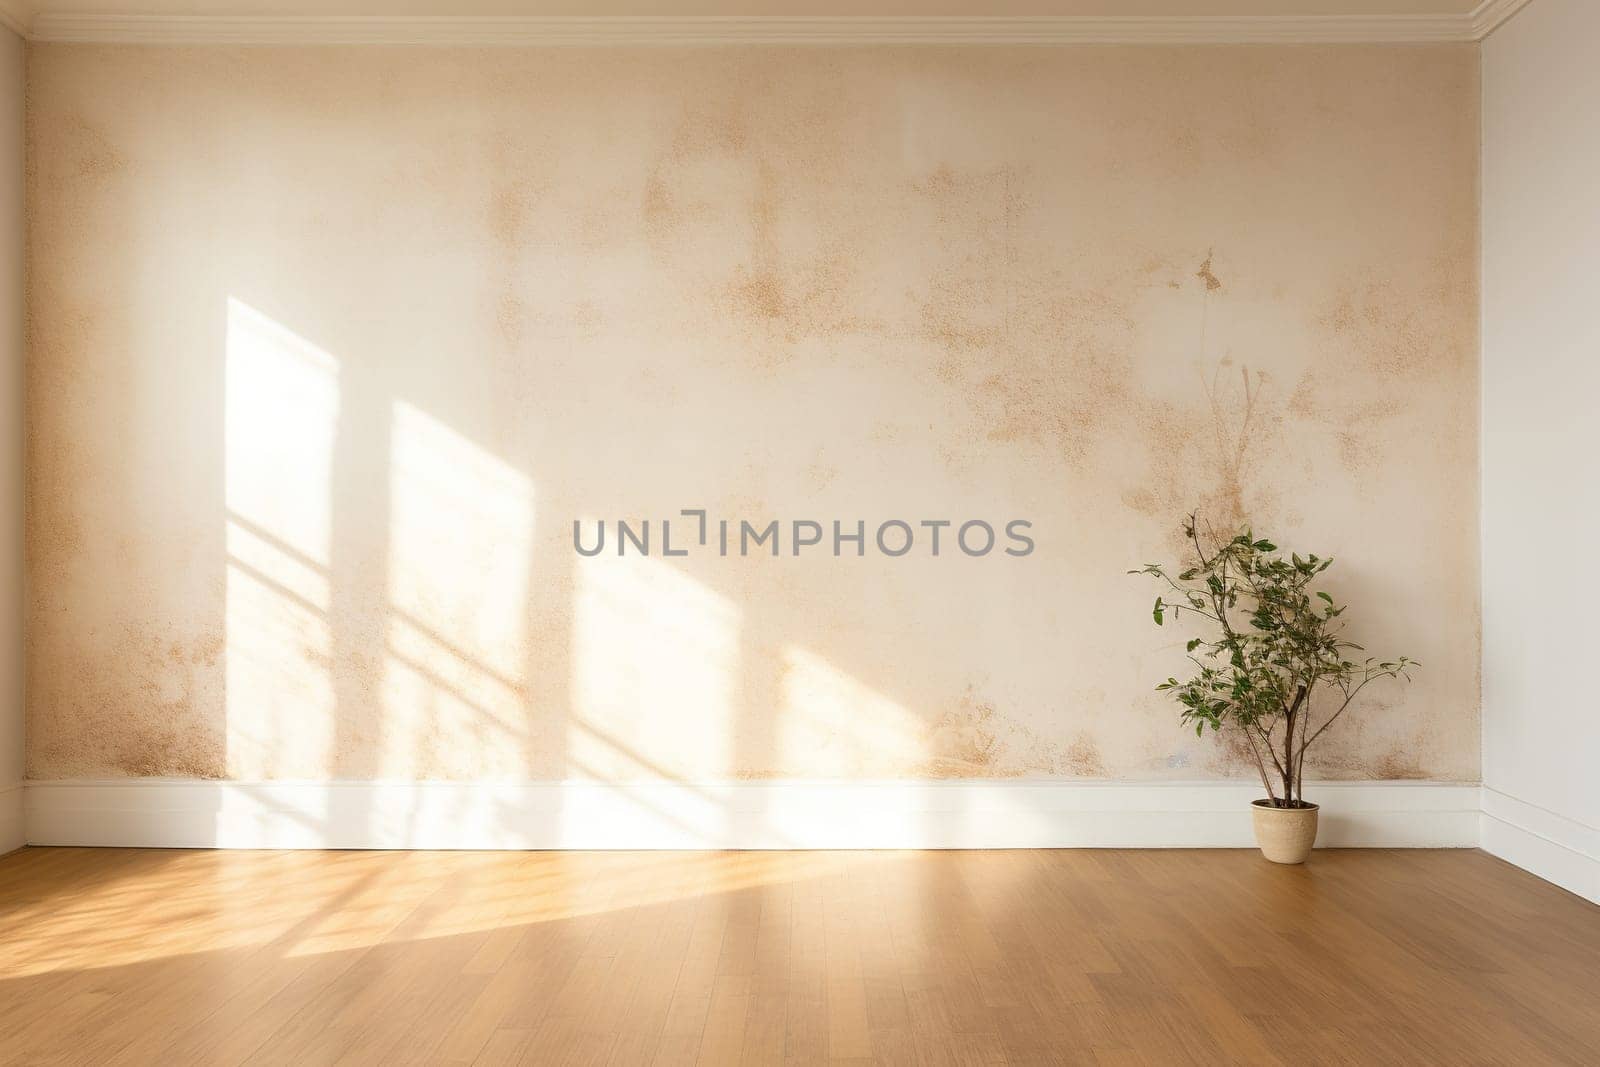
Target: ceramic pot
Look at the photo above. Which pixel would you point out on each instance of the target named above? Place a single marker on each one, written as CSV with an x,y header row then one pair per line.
x,y
1284,834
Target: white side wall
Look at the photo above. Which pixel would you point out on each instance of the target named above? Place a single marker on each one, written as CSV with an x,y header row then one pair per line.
x,y
11,226
1541,484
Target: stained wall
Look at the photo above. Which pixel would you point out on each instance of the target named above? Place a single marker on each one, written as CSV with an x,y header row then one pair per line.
x,y
329,348
12,83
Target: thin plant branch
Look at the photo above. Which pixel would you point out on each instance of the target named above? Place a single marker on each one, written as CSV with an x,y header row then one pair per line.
x,y
1273,642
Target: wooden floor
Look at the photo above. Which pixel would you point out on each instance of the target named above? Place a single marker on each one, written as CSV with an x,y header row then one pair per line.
x,y
176,958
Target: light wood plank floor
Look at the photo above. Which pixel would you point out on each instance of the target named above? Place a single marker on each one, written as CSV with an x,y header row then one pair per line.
x,y
171,957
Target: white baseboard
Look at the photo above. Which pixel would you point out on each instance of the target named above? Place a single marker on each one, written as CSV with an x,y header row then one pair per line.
x,y
11,833
1551,846
747,815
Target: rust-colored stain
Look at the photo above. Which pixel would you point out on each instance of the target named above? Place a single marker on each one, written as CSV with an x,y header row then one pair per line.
x,y
973,739
510,289
1083,759
135,708
964,743
94,157
1401,764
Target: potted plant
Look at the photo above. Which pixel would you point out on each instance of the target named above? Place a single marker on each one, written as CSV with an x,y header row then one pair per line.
x,y
1272,666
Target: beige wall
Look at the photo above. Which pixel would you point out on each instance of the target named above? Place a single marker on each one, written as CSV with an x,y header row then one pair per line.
x,y
330,348
12,86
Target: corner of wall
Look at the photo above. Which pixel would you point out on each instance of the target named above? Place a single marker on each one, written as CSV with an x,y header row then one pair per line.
x,y
11,832
1542,842
12,225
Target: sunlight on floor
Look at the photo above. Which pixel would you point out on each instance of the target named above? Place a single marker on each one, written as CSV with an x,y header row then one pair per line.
x,y
295,904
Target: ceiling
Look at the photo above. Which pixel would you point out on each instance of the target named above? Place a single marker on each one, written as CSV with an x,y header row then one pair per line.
x,y
911,8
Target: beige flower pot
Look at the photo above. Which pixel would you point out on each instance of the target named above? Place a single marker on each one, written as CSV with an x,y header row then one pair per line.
x,y
1284,834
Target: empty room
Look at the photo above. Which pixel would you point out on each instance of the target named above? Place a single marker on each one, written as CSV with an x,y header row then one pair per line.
x,y
647,532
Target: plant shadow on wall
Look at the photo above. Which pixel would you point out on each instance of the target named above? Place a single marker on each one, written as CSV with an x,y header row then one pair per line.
x,y
1275,651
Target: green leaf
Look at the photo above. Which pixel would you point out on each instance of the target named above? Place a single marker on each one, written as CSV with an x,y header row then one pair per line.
x,y
1277,633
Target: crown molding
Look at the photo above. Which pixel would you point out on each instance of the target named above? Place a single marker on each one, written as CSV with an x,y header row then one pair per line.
x,y
740,30
1491,14
13,18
